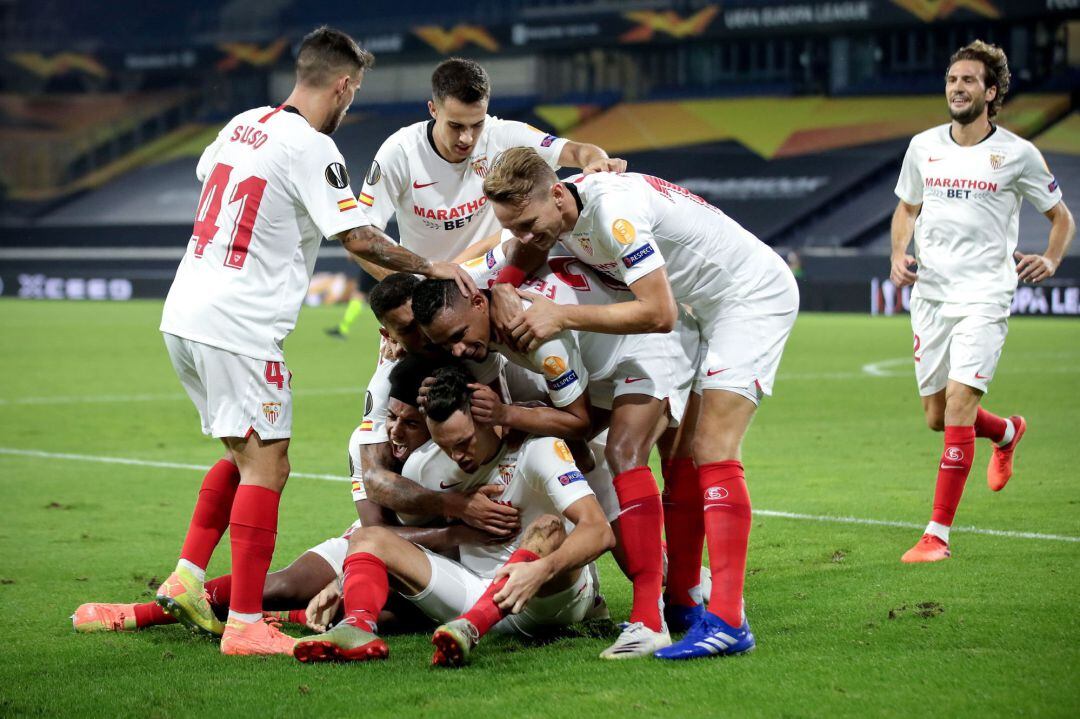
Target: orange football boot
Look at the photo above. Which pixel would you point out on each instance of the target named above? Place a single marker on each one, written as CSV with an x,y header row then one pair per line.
x,y
97,617
928,549
1000,469
255,638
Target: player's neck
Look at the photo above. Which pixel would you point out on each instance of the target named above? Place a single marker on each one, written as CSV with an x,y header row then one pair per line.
x,y
972,133
309,107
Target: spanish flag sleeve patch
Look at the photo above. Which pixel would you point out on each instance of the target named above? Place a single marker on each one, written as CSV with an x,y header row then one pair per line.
x,y
367,199
345,205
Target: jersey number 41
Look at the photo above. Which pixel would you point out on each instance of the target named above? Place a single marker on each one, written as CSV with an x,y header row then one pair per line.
x,y
249,192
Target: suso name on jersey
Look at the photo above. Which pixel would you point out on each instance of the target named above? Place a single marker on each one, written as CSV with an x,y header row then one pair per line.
x,y
249,135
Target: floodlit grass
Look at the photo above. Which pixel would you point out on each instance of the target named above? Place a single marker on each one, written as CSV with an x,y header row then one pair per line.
x,y
843,628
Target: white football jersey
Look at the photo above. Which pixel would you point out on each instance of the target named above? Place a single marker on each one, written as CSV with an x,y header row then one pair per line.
x,y
630,225
356,467
440,205
273,187
539,477
967,230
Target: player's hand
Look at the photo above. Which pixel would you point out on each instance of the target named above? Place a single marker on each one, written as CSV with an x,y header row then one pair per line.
x,y
537,324
1034,268
487,405
505,307
477,509
450,271
323,607
523,581
392,350
425,388
607,164
901,273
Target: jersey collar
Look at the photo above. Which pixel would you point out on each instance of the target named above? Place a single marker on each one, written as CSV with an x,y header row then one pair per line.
x,y
431,141
993,129
577,198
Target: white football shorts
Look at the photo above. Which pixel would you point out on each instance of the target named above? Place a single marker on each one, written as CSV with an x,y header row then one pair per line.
x,y
454,589
955,342
235,395
335,549
742,344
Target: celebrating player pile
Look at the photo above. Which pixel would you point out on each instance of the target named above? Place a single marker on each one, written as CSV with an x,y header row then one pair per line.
x,y
670,247
960,191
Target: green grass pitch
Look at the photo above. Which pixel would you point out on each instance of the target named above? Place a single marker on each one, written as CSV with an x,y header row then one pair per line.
x,y
843,628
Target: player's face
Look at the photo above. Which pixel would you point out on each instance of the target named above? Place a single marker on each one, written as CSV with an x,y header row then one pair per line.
x,y
538,222
344,94
966,92
463,329
401,326
457,126
406,428
465,443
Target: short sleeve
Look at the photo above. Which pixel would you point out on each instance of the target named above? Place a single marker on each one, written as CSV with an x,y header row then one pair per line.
x,y
486,268
909,186
488,369
519,134
209,157
1036,182
372,429
383,185
356,467
550,467
623,231
559,360
321,182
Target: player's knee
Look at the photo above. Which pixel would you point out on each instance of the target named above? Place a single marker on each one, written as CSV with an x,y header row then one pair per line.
x,y
544,534
279,588
935,421
624,453
368,539
714,449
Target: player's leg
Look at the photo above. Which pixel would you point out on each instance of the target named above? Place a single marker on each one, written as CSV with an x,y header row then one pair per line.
x,y
454,640
684,523
375,553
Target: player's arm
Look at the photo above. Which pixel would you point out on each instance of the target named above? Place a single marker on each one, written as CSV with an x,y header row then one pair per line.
x,y
591,537
903,229
1036,268
389,489
590,158
478,248
653,309
569,422
370,243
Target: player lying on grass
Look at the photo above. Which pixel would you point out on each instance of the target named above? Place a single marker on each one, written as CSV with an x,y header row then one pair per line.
x,y
293,588
535,581
634,384
671,248
960,189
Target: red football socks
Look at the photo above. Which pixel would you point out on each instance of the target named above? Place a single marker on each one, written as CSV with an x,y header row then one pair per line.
x,y
641,524
727,528
253,527
219,590
684,527
365,587
486,613
953,472
151,615
990,426
211,515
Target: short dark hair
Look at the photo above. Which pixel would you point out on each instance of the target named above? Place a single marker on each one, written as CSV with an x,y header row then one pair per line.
x,y
995,69
392,292
449,393
407,376
326,53
464,80
432,296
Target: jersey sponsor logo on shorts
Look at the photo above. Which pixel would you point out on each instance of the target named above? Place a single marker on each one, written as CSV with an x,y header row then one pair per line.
x,y
638,255
711,372
346,205
546,142
374,173
271,410
632,380
575,476
915,352
565,381
367,199
981,376
954,454
623,231
716,493
553,366
337,176
563,452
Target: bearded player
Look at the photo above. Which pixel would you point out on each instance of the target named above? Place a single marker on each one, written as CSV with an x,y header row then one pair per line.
x,y
960,190
274,184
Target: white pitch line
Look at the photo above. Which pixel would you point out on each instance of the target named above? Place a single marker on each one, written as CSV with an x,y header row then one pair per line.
x,y
150,397
338,478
